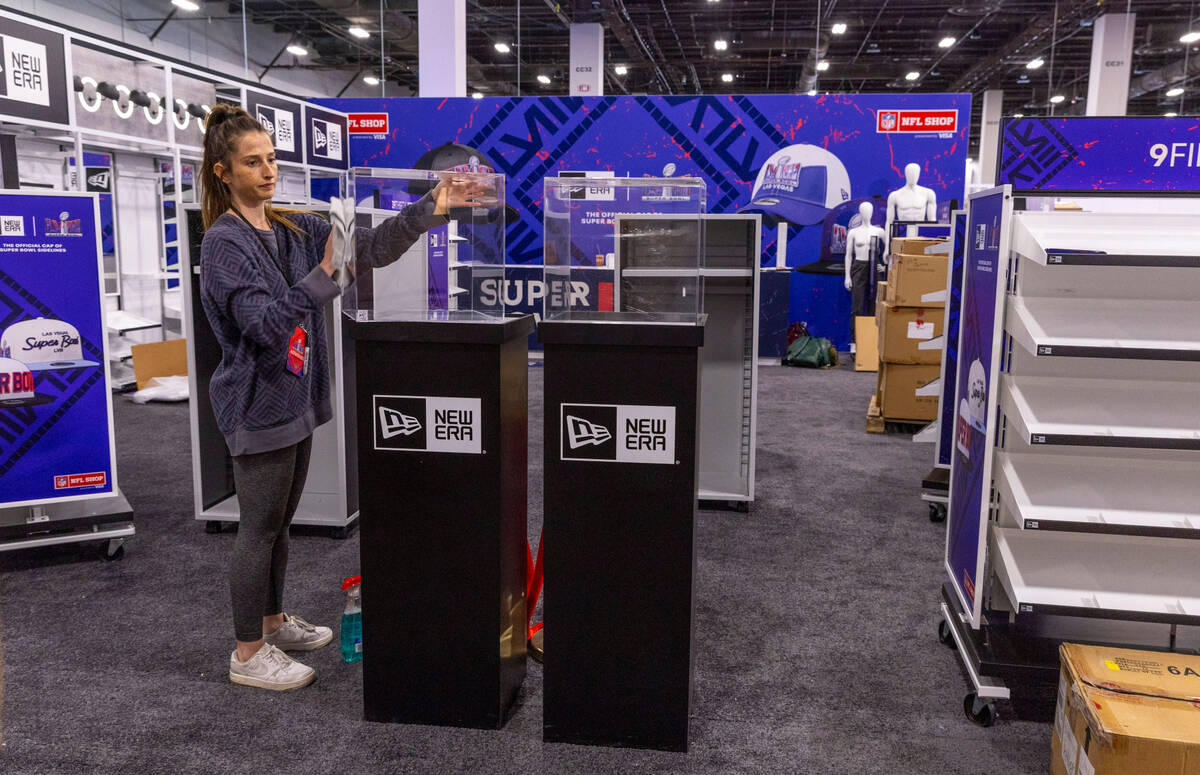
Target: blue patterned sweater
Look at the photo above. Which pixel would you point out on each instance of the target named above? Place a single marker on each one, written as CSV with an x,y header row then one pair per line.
x,y
259,405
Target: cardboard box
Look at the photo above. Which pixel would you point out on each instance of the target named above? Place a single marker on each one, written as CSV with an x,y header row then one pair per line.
x,y
902,330
866,344
911,246
1125,711
898,399
914,280
159,359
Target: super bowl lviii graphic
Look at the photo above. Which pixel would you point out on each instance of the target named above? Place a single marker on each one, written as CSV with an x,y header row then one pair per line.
x,y
972,410
56,439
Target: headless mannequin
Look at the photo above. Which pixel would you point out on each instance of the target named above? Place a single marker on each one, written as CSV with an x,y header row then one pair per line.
x,y
864,243
912,202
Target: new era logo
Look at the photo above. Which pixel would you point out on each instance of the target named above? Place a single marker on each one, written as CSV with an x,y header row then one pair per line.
x,y
617,433
394,423
12,226
580,432
428,424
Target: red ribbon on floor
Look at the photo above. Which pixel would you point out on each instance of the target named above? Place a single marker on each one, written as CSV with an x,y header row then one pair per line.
x,y
533,584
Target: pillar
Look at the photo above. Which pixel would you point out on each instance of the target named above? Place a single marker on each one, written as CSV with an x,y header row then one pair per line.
x,y
442,44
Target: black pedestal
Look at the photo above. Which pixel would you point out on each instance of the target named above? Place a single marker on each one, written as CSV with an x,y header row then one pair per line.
x,y
442,441
620,506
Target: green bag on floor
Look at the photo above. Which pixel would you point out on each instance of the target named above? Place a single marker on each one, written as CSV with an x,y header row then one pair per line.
x,y
811,352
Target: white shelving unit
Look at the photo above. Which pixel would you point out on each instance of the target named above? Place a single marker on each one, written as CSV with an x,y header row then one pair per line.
x,y
1096,494
1095,480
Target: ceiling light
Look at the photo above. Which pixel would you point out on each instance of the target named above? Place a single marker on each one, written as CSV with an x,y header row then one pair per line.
x,y
720,44
812,92
946,42
295,49
914,75
727,77
502,47
1018,115
370,80
477,95
823,65
838,29
543,78
1190,37
1034,64
1175,92
186,5
1171,114
359,32
1057,98
620,69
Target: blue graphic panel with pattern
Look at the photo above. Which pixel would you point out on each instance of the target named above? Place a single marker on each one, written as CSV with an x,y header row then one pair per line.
x,y
726,140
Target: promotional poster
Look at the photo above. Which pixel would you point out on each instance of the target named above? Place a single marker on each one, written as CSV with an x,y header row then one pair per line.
x,y
793,158
984,272
56,437
1101,155
958,231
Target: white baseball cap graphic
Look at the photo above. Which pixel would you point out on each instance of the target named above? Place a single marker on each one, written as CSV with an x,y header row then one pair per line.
x,y
16,386
800,184
44,344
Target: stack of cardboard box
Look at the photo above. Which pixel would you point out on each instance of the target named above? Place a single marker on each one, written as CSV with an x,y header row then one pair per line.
x,y
909,313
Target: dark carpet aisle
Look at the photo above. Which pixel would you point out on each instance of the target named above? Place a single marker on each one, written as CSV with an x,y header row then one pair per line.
x,y
815,630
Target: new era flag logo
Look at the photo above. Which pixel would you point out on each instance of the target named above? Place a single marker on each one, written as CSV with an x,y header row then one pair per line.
x,y
617,433
428,424
393,423
581,432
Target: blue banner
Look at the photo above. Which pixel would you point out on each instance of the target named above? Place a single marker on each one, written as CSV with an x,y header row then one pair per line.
x,y
56,439
799,159
1100,155
958,228
988,216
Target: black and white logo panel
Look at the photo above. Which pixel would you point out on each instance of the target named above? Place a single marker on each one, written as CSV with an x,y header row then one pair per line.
x,y
617,433
33,80
428,424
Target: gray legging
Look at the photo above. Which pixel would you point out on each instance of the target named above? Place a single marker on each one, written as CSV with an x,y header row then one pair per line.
x,y
268,488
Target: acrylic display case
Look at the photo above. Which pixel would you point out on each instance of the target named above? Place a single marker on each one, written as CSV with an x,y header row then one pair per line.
x,y
446,264
648,232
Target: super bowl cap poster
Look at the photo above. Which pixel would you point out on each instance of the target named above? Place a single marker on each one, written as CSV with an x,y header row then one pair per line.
x,y
56,437
984,272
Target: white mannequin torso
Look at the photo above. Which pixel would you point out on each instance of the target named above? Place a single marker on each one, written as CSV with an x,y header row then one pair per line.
x,y
858,241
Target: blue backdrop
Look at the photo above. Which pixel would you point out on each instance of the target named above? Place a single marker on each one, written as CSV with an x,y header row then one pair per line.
x,y
46,450
725,140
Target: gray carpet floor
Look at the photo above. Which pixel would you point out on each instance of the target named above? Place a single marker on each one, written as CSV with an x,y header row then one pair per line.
x,y
815,630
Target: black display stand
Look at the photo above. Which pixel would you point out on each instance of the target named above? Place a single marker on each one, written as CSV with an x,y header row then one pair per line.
x,y
620,555
442,533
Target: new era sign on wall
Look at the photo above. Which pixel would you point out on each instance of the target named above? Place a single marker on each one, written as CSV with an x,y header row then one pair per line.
x,y
428,424
33,74
617,433
326,135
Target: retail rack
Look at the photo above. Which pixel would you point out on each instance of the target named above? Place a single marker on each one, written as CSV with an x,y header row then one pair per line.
x,y
729,364
1093,502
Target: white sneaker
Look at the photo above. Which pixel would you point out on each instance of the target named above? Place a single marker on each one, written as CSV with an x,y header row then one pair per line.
x,y
298,635
270,668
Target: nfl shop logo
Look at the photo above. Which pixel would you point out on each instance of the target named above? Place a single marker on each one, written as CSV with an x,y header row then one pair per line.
x,y
60,482
428,424
887,121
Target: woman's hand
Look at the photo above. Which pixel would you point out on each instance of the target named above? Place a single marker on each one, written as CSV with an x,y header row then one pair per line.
x,y
327,259
459,190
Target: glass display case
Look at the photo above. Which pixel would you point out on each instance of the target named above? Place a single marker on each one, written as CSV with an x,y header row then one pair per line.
x,y
442,260
623,249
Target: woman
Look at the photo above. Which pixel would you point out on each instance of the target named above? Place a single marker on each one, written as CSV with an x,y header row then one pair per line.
x,y
265,280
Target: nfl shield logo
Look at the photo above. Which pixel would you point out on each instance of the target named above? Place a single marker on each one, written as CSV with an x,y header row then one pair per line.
x,y
887,121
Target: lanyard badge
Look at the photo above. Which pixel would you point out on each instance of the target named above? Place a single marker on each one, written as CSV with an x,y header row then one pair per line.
x,y
297,354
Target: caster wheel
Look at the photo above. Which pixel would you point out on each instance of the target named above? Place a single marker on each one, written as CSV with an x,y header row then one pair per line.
x,y
212,526
112,550
937,512
979,711
944,635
